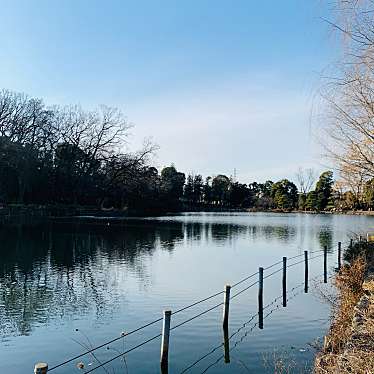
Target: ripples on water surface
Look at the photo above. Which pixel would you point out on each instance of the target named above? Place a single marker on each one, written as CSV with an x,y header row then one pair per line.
x,y
102,280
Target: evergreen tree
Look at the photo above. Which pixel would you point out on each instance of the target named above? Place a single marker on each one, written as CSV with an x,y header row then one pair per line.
x,y
302,201
198,186
311,201
369,194
240,195
324,190
221,189
189,188
207,191
172,183
284,194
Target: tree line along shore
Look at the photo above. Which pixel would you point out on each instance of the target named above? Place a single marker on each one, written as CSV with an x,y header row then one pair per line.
x,y
67,156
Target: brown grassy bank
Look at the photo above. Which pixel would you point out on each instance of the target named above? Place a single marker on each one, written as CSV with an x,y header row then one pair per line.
x,y
349,346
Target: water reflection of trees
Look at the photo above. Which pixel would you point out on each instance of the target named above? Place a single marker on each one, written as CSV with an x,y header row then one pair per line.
x,y
221,233
58,271
325,238
282,233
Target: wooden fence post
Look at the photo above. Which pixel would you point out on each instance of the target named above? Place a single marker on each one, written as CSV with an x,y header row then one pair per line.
x,y
226,306
339,255
325,264
261,298
306,271
284,281
351,244
164,359
41,368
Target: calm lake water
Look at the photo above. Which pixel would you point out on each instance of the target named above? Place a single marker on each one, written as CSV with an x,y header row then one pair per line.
x,y
67,285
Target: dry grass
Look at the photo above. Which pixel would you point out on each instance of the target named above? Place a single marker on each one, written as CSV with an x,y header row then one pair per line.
x,y
284,362
336,357
349,284
358,362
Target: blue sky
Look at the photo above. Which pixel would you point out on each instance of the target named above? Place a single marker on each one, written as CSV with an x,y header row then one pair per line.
x,y
218,85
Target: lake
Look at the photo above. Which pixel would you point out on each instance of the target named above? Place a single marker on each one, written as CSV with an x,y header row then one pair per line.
x,y
66,286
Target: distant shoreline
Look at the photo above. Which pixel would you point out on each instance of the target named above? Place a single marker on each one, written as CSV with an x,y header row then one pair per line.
x,y
26,213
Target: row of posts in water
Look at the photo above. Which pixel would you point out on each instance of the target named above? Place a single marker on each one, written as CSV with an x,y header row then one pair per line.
x,y
42,368
226,305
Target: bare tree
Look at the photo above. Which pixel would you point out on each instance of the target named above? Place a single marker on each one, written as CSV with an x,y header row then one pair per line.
x,y
349,96
25,136
98,133
353,179
71,155
306,178
24,120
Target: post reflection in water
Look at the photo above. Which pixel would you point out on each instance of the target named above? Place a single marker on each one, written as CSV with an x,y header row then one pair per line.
x,y
226,344
110,276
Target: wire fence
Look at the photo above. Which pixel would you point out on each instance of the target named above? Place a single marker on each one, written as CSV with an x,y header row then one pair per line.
x,y
245,324
245,334
249,330
215,306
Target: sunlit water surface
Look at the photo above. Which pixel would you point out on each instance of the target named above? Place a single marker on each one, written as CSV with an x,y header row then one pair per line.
x,y
68,286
